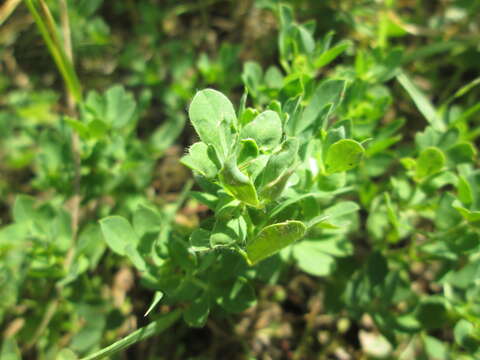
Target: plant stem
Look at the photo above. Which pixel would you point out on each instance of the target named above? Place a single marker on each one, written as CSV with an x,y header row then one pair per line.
x,y
47,316
155,327
71,106
63,56
7,9
46,26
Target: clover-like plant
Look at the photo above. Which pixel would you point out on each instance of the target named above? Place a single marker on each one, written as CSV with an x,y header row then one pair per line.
x,y
257,169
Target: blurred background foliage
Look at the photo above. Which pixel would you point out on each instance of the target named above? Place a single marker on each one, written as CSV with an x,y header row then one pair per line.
x,y
142,61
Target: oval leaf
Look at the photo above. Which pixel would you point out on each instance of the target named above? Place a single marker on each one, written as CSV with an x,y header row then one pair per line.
x,y
212,114
274,238
118,233
343,155
198,159
265,129
430,161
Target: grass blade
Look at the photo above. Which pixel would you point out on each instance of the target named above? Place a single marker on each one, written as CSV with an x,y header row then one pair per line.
x,y
47,28
423,104
155,327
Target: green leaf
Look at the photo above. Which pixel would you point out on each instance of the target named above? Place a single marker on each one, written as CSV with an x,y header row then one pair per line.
x,y
295,199
446,217
238,184
227,208
333,135
331,182
343,155
120,107
78,126
274,189
248,115
97,129
227,232
155,327
432,313
118,233
430,161
407,322
255,167
469,215
79,266
422,103
90,334
166,134
238,296
212,115
252,77
331,54
24,208
464,335
429,137
465,193
435,348
463,152
274,238
377,268
380,146
91,245
386,64
305,39
265,129
196,314
10,350
248,151
205,198
199,160
279,162
146,220
273,78
181,255
328,93
157,296
312,260
66,354
466,88
134,256
200,240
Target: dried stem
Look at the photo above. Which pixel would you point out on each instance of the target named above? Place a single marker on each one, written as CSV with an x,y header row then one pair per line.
x,y
7,9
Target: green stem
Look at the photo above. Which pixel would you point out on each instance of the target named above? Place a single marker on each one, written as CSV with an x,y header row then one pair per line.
x,y
155,327
47,29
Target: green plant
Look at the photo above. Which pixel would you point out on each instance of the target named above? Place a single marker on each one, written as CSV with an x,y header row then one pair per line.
x,y
341,186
